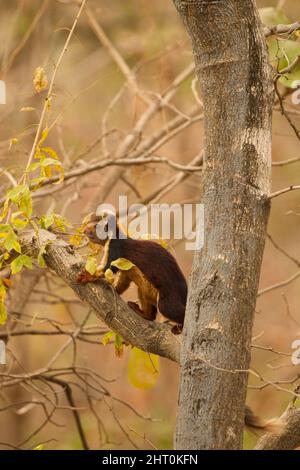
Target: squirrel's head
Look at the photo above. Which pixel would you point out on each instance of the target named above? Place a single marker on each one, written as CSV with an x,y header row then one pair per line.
x,y
102,227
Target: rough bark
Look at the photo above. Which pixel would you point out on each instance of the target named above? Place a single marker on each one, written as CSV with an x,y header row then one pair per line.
x,y
152,337
235,78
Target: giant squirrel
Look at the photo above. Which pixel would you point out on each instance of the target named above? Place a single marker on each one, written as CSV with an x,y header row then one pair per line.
x,y
160,282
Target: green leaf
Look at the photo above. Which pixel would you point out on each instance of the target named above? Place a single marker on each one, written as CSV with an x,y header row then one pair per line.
x,y
61,222
122,263
271,16
16,193
40,257
18,263
143,369
50,219
21,196
4,229
11,242
46,221
119,345
107,337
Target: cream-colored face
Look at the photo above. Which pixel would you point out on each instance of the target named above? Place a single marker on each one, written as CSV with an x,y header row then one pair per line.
x,y
101,226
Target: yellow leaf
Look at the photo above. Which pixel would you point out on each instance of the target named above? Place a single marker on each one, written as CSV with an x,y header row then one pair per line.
x,y
2,291
18,220
76,239
143,369
12,142
51,152
3,313
107,337
91,265
5,209
109,276
122,263
40,80
39,447
61,172
44,136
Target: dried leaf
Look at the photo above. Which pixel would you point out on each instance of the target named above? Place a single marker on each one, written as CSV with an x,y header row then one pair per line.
x,y
40,80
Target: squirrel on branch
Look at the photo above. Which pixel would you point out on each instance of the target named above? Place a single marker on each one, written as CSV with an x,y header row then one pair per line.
x,y
161,284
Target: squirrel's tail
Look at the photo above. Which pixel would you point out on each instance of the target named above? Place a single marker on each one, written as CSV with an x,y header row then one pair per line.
x,y
256,423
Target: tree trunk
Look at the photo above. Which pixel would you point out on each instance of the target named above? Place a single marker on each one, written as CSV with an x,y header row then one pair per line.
x,y
235,78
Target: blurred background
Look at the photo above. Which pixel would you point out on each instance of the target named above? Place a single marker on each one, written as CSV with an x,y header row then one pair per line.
x,y
127,71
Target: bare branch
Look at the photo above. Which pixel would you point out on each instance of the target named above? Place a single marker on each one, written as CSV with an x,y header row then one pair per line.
x,y
285,190
279,284
281,29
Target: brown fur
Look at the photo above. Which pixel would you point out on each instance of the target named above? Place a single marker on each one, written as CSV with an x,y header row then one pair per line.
x,y
161,284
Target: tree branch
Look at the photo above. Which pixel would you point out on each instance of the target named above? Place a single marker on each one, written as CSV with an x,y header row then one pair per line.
x,y
289,436
281,29
237,89
152,337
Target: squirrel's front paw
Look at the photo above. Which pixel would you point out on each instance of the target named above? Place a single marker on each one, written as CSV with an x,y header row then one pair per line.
x,y
84,277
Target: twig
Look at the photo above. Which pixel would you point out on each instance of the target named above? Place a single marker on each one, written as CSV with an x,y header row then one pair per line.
x,y
279,284
283,191
115,54
281,29
45,107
